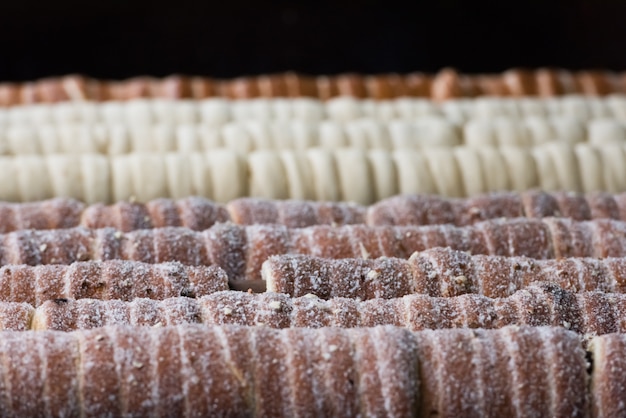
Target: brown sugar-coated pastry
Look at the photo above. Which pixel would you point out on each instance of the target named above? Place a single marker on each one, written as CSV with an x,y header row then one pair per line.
x,y
351,85
294,213
194,212
174,87
201,88
272,85
198,213
235,371
418,84
299,85
241,250
499,366
72,314
596,83
427,209
437,272
49,214
608,375
123,280
16,316
444,85
242,88
193,370
519,82
587,313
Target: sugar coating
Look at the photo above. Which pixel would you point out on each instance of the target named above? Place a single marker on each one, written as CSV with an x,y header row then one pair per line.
x,y
187,370
541,304
427,209
241,250
194,212
115,279
437,272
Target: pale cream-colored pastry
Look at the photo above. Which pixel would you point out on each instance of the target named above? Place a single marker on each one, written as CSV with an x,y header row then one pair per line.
x,y
299,175
342,109
355,175
33,179
179,176
539,130
229,175
494,169
606,131
478,133
384,174
325,174
187,138
214,111
401,135
414,175
96,179
565,163
614,169
65,176
332,135
470,167
237,138
148,176
522,168
445,172
10,190
591,177
547,176
268,178
261,136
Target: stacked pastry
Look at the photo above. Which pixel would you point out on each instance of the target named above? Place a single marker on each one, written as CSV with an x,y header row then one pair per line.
x,y
164,278
444,85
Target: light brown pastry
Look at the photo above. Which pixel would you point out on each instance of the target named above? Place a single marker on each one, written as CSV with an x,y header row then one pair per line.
x,y
241,250
540,304
437,272
122,280
242,371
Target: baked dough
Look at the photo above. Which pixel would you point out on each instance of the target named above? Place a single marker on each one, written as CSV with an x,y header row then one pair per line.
x,y
33,178
445,172
546,171
65,176
298,174
96,178
479,133
384,174
325,176
614,169
229,173
355,175
10,180
214,112
470,170
178,176
606,131
414,175
237,138
495,173
565,164
268,178
522,169
591,170
332,135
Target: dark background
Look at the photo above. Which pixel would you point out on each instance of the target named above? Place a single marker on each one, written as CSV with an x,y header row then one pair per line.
x,y
114,39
